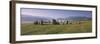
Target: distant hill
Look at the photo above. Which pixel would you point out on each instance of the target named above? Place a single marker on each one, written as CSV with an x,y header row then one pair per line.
x,y
30,19
79,18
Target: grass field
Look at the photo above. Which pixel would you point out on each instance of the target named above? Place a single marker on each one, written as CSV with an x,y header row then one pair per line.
x,y
31,29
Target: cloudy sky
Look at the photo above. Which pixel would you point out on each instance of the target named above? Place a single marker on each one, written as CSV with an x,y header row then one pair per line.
x,y
54,13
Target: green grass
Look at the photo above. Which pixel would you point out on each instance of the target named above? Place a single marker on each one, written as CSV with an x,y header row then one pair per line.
x,y
31,29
